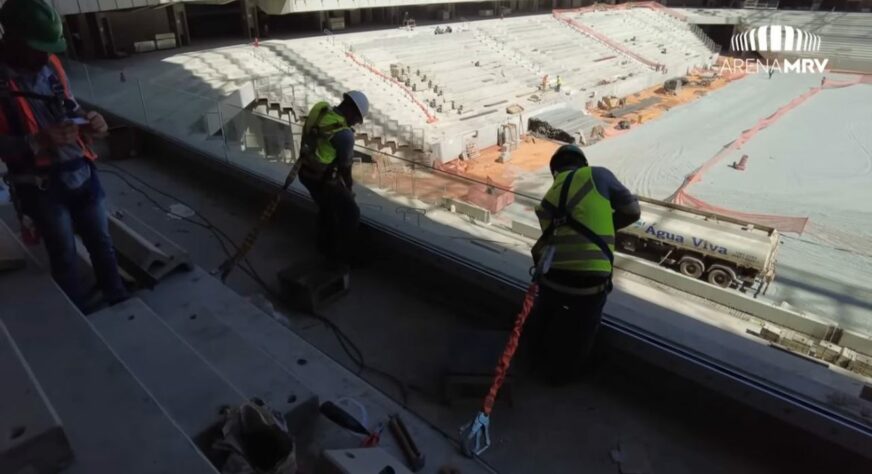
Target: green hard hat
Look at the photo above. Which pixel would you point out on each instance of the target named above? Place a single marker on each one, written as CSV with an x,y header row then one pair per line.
x,y
35,22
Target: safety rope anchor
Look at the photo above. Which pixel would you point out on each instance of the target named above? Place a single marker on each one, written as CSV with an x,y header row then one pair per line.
x,y
475,436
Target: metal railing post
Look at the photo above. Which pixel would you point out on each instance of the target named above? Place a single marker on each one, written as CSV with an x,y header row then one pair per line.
x,y
142,100
221,127
90,85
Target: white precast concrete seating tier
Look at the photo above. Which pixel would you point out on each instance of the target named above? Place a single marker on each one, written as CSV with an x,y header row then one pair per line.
x,y
438,92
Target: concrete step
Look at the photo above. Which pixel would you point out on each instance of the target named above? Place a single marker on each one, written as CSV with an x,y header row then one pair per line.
x,y
317,371
181,303
31,434
186,385
112,422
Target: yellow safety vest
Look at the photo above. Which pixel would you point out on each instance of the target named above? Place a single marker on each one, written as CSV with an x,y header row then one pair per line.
x,y
574,251
320,126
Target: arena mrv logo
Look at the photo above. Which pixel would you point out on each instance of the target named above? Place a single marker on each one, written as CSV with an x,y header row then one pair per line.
x,y
781,40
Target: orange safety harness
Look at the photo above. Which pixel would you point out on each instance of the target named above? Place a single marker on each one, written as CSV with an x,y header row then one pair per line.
x,y
17,116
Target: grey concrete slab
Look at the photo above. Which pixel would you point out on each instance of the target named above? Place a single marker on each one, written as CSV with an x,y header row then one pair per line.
x,y
190,389
177,301
94,393
317,371
11,255
32,434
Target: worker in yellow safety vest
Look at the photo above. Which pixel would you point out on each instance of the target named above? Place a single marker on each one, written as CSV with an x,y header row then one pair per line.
x,y
44,137
327,153
574,261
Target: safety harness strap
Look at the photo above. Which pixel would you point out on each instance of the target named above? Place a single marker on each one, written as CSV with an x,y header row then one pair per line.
x,y
562,215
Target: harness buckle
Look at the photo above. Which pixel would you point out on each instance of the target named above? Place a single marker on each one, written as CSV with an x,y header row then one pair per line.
x,y
41,182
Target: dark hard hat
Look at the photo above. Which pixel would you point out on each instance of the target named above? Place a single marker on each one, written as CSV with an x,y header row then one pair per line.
x,y
35,22
567,157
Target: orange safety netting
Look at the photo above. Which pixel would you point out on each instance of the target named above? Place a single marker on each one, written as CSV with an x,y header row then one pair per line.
x,y
430,117
606,40
782,223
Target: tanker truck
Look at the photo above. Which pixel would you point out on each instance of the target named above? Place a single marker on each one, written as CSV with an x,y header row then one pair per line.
x,y
726,252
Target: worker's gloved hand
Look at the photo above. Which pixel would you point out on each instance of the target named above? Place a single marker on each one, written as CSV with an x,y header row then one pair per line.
x,y
96,124
57,135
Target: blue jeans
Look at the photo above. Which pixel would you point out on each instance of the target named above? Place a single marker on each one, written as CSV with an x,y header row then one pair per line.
x,y
60,213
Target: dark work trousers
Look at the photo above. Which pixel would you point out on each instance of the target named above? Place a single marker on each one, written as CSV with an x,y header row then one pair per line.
x,y
338,218
59,214
560,333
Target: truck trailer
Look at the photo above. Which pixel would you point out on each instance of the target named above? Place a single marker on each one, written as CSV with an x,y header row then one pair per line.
x,y
726,252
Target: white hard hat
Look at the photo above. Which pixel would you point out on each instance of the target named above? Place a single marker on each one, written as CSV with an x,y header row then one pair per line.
x,y
360,101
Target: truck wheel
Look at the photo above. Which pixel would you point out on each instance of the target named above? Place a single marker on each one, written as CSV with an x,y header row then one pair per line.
x,y
720,276
691,267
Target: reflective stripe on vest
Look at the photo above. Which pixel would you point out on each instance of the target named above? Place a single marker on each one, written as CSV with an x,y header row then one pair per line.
x,y
24,118
574,251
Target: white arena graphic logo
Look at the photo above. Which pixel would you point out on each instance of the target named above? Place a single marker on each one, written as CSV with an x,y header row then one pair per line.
x,y
782,48
775,38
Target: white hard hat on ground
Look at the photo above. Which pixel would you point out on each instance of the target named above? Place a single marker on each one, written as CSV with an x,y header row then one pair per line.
x,y
360,101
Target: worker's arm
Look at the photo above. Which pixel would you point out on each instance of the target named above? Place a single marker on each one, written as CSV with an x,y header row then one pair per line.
x,y
624,203
47,138
343,143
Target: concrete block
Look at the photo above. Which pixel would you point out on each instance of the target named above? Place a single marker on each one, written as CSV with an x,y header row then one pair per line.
x,y
770,333
828,351
31,434
487,197
143,251
862,364
527,230
101,404
354,461
193,305
311,285
470,210
797,342
189,388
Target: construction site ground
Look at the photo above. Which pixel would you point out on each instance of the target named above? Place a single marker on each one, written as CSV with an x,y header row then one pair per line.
x,y
808,160
406,325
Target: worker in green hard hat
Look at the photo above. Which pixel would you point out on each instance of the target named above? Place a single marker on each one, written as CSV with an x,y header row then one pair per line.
x,y
44,141
575,258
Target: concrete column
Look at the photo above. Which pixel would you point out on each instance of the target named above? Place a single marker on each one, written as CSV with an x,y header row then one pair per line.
x,y
248,15
354,17
178,21
102,29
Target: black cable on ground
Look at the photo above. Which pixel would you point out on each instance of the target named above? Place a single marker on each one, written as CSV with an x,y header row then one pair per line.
x,y
348,346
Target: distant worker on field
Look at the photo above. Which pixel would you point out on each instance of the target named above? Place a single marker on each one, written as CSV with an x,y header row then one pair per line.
x,y
44,137
327,154
574,259
557,84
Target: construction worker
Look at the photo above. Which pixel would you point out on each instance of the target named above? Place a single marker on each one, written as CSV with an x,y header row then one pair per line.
x,y
328,151
574,259
44,137
558,83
